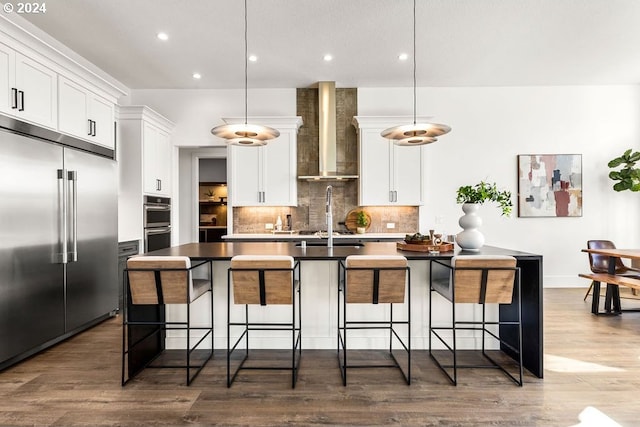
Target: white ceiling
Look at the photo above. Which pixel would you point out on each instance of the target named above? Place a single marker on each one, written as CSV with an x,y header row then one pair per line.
x,y
459,42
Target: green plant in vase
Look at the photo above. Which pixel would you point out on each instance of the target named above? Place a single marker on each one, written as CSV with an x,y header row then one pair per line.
x,y
485,192
471,197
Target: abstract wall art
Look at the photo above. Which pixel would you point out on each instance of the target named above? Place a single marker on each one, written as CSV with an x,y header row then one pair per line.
x,y
549,185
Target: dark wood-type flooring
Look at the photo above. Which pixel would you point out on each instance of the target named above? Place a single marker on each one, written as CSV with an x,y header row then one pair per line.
x,y
589,361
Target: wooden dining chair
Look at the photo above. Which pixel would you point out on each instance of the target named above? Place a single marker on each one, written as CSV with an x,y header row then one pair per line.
x,y
600,263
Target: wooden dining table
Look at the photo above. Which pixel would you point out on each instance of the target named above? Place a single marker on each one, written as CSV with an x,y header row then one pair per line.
x,y
613,290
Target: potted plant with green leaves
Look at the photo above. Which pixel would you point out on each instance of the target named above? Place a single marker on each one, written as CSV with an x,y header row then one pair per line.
x,y
362,220
627,178
471,197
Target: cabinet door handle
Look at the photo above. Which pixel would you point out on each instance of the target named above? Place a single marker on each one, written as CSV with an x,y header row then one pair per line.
x,y
391,196
21,104
395,196
14,98
90,127
94,128
158,185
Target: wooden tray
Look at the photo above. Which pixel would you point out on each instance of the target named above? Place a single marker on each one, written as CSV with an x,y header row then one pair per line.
x,y
443,247
351,221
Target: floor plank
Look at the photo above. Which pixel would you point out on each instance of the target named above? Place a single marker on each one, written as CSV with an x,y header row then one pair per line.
x,y
589,361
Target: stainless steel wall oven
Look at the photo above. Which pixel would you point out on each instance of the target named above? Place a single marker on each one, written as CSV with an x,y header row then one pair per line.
x,y
157,223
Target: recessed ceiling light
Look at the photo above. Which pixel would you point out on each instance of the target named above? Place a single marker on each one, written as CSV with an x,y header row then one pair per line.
x,y
327,57
403,57
163,36
197,75
253,58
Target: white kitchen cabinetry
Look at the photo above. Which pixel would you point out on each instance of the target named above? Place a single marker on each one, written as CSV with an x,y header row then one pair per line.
x,y
266,175
156,163
145,151
390,175
84,114
144,156
28,89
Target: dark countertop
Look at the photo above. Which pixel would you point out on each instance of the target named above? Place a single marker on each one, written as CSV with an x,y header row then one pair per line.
x,y
226,250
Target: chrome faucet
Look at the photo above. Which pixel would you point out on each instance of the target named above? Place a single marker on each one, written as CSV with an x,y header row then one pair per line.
x,y
328,209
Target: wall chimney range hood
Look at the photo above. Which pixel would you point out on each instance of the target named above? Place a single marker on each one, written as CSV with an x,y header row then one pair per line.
x,y
328,136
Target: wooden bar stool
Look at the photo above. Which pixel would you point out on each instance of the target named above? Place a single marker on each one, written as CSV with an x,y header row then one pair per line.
x,y
371,279
264,280
476,279
154,282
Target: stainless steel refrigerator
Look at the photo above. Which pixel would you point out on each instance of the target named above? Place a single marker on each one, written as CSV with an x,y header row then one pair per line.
x,y
58,241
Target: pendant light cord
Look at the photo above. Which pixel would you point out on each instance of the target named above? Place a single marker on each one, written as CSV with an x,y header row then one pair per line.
x,y
414,62
246,62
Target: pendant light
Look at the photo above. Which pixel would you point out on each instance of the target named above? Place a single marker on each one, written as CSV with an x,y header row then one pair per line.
x,y
416,133
245,134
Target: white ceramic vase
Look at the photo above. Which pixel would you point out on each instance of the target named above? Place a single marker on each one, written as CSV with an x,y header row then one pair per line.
x,y
470,239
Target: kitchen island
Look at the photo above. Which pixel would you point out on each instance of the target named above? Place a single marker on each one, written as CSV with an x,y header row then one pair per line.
x,y
319,272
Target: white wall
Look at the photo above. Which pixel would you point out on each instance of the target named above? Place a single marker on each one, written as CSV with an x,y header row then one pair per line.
x,y
196,112
491,126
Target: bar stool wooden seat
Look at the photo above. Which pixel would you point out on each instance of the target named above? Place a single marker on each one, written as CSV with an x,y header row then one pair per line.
x,y
264,280
476,279
152,283
372,279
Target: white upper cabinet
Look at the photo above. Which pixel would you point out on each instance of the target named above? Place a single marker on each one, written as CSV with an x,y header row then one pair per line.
x,y
42,86
245,186
145,153
29,89
266,175
390,175
84,114
156,167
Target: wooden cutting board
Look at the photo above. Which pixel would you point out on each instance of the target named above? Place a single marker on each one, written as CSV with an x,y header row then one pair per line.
x,y
351,222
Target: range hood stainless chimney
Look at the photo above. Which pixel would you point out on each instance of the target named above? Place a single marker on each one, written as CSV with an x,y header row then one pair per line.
x,y
328,136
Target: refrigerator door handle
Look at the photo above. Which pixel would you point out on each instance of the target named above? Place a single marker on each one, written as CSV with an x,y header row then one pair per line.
x,y
73,180
61,257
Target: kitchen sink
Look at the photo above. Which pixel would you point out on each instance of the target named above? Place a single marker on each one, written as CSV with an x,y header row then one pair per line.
x,y
335,244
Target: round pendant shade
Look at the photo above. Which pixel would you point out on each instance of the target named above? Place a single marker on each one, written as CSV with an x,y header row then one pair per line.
x,y
415,134
245,134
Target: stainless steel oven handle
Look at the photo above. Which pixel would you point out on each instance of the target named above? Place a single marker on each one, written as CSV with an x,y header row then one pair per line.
x,y
157,207
158,230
